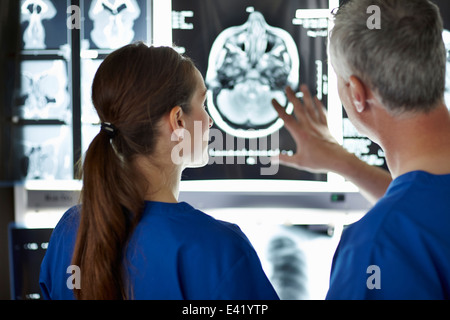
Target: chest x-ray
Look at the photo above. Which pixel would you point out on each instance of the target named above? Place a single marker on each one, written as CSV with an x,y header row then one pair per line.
x,y
249,65
35,11
446,36
296,259
44,90
113,22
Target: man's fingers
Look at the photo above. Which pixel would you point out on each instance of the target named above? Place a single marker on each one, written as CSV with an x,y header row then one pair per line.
x,y
299,110
289,121
321,111
284,159
313,106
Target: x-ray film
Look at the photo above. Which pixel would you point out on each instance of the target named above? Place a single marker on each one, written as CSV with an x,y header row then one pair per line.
x,y
45,152
446,36
444,6
111,24
43,24
88,133
248,52
361,146
249,65
88,69
296,259
44,90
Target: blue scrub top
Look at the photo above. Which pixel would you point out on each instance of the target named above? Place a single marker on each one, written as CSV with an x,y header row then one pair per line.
x,y
401,248
175,252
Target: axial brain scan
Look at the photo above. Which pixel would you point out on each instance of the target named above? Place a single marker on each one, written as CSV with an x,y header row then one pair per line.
x,y
113,22
249,65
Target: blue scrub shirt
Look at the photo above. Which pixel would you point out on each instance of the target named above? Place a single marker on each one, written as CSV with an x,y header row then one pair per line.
x,y
175,252
401,248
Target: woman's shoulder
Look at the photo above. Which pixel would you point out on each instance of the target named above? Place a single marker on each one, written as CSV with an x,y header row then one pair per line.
x,y
215,226
193,225
72,215
69,222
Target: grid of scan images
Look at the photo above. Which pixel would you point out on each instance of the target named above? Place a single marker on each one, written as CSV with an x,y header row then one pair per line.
x,y
45,141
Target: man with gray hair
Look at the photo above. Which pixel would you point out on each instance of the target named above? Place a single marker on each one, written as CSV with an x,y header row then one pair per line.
x,y
391,82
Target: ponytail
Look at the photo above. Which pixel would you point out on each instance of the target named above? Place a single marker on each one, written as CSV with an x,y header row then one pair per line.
x,y
111,207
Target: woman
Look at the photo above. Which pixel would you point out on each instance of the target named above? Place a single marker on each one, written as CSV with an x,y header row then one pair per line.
x,y
130,238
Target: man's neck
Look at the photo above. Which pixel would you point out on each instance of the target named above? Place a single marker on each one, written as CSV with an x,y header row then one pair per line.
x,y
418,142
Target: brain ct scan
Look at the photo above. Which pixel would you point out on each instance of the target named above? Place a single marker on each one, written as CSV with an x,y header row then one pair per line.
x,y
113,22
248,52
35,11
249,65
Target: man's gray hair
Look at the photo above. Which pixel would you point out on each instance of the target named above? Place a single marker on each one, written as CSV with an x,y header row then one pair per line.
x,y
404,61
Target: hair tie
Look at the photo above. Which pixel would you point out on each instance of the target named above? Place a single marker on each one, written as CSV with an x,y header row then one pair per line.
x,y
110,129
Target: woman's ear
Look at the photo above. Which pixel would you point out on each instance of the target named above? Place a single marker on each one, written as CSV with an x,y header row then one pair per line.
x,y
358,94
176,119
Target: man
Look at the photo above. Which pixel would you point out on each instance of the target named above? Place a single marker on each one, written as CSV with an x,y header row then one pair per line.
x,y
391,82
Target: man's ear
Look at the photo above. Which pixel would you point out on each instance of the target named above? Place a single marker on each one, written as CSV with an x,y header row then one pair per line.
x,y
176,119
358,93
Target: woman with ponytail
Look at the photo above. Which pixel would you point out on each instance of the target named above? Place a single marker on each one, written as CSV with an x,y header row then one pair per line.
x,y
130,238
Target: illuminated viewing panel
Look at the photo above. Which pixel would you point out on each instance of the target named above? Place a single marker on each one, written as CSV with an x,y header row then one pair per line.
x,y
53,116
248,52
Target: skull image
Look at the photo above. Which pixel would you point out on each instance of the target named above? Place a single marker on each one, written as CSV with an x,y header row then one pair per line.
x,y
35,11
44,90
113,22
249,65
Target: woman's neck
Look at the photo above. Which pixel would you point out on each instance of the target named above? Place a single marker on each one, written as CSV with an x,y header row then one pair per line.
x,y
163,181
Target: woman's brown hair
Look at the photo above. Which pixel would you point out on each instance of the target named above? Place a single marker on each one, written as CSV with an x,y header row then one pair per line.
x,y
133,89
